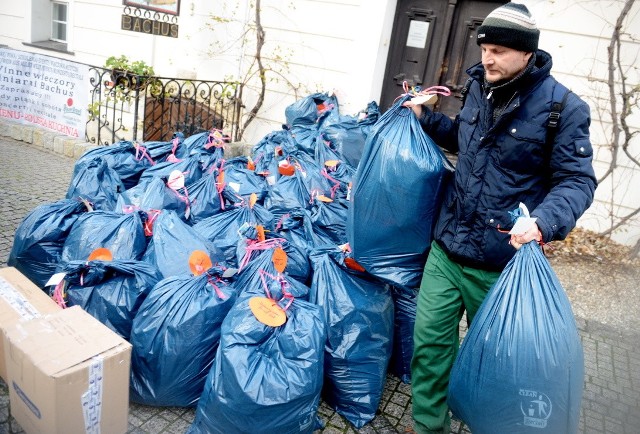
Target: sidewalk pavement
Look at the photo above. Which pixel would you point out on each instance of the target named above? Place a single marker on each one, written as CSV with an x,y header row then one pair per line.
x,y
36,168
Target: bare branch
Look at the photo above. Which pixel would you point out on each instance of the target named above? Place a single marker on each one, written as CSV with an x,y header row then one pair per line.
x,y
624,96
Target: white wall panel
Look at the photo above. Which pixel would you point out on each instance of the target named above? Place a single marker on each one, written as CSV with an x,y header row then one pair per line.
x,y
343,45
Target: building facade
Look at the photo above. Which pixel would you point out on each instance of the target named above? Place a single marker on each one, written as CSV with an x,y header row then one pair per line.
x,y
360,50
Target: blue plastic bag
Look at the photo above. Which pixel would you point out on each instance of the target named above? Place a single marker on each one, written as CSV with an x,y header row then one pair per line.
x,y
129,160
311,110
210,143
111,291
96,182
173,243
190,167
348,136
223,229
358,310
265,379
258,255
522,356
205,198
396,198
175,336
269,151
405,304
243,181
122,234
296,190
40,237
297,227
329,219
153,194
159,152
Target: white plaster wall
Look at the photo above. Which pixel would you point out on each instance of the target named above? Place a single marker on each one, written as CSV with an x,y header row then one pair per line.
x,y
577,34
342,46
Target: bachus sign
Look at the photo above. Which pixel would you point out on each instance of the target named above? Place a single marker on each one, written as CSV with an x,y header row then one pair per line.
x,y
149,26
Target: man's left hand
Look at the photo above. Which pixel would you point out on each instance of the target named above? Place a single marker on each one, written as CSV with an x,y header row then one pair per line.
x,y
533,233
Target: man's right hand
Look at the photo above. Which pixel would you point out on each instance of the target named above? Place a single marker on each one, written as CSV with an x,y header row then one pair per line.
x,y
417,108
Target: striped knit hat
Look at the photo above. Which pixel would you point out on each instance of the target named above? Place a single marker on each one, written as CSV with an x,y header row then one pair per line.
x,y
512,26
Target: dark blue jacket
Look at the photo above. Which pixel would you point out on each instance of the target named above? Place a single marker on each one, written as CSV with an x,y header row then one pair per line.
x,y
506,161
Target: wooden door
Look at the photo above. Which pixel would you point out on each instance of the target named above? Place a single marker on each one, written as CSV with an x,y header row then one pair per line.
x,y
433,42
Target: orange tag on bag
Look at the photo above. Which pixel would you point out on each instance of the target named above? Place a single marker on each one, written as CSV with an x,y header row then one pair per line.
x,y
267,311
323,198
251,165
252,200
199,262
101,254
220,178
261,234
279,259
331,163
286,169
353,264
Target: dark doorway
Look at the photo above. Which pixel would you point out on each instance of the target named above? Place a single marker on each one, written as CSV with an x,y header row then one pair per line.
x,y
433,43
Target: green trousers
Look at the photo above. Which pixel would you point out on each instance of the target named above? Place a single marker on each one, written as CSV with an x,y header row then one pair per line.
x,y
446,290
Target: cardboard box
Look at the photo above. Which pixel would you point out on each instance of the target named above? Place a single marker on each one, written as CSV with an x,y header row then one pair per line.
x,y
20,300
68,373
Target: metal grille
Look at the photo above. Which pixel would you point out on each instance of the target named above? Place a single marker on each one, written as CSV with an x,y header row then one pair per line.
x,y
121,105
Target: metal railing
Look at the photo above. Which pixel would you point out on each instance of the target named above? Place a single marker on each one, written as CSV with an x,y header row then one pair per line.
x,y
120,105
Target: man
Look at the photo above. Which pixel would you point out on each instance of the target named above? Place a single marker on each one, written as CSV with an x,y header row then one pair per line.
x,y
504,158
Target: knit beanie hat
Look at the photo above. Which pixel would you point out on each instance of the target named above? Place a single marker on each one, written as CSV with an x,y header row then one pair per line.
x,y
510,25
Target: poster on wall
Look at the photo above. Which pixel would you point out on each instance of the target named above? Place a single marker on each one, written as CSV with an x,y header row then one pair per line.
x,y
44,91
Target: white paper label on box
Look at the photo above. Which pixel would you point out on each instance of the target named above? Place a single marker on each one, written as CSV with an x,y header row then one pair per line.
x,y
92,398
17,301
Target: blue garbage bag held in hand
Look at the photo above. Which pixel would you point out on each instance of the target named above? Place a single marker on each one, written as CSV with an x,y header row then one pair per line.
x,y
396,197
522,356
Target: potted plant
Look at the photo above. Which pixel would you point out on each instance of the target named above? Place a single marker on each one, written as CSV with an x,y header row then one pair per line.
x,y
126,73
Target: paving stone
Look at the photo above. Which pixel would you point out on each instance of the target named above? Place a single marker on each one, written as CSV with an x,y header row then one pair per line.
x,y
611,395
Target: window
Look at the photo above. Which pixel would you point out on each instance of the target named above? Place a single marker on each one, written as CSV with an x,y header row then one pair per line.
x,y
59,22
50,27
